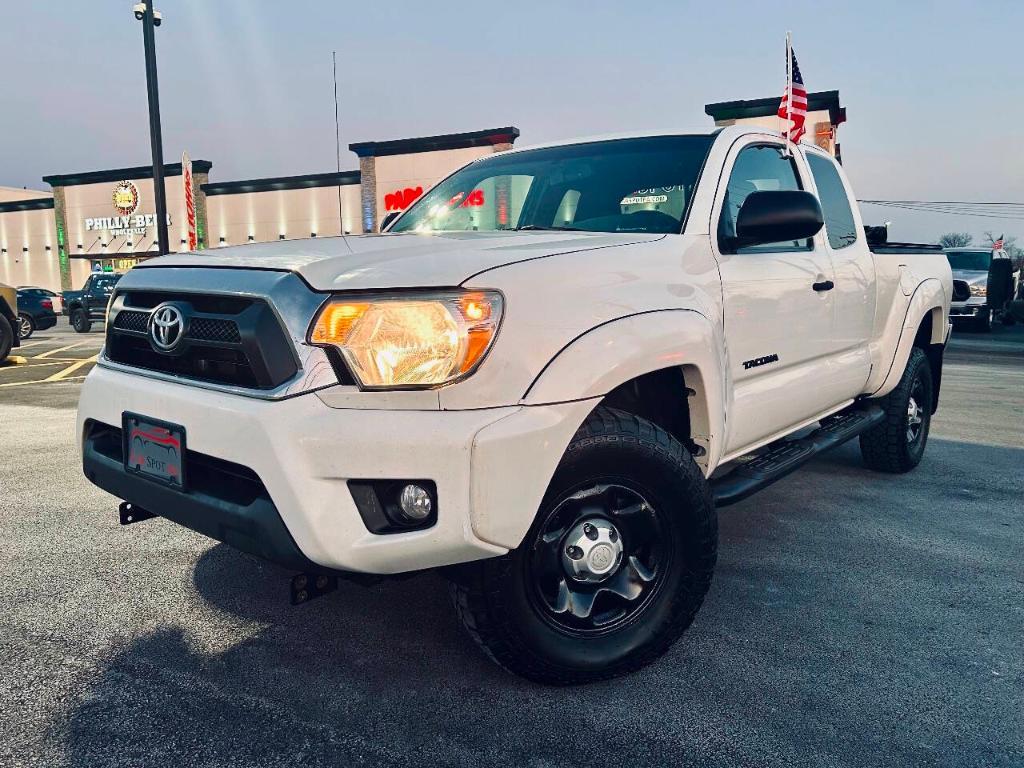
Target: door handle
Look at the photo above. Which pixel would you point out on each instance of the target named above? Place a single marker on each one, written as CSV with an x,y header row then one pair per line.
x,y
824,285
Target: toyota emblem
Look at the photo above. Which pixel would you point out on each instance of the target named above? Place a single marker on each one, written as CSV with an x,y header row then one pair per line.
x,y
166,327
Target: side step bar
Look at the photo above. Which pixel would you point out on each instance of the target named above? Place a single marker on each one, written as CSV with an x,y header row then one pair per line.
x,y
783,456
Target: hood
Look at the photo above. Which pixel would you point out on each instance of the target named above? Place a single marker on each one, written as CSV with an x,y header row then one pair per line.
x,y
400,260
970,276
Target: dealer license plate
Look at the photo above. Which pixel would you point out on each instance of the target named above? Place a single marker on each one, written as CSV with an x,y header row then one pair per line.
x,y
154,449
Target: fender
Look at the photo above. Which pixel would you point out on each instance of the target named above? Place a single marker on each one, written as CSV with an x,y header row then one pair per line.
x,y
596,362
928,297
571,385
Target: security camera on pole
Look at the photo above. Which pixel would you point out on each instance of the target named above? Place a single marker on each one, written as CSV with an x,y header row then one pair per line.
x,y
150,19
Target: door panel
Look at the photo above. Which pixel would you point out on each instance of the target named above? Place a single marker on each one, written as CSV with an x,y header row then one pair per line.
x,y
854,295
778,328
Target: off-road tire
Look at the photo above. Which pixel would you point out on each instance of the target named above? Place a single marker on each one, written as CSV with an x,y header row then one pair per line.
x,y
491,598
25,322
886,446
6,338
80,321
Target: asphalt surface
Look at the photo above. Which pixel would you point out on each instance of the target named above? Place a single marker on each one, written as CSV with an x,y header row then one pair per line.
x,y
855,619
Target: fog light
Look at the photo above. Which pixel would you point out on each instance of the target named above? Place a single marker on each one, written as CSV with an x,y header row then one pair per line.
x,y
415,502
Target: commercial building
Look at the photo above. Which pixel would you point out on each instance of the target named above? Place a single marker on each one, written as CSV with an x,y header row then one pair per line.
x,y
106,219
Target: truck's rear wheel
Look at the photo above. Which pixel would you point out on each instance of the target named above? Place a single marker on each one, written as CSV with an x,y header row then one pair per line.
x,y
614,568
80,321
897,443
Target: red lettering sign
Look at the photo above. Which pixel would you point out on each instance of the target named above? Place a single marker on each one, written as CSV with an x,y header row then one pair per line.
x,y
401,199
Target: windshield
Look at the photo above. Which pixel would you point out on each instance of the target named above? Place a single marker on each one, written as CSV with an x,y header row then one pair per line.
x,y
105,282
625,185
974,261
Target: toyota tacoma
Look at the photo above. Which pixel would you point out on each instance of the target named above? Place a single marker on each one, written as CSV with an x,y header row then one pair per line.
x,y
542,380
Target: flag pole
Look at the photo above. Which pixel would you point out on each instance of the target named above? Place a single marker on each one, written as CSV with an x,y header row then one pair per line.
x,y
789,91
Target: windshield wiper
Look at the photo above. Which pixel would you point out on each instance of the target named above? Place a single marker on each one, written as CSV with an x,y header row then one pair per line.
x,y
548,229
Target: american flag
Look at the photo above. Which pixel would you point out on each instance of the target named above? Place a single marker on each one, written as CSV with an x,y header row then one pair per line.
x,y
998,244
794,101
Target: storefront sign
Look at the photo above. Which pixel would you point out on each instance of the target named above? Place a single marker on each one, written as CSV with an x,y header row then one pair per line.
x,y
190,201
125,199
124,225
401,199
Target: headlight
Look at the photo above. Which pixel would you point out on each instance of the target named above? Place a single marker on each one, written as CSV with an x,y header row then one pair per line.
x,y
978,289
410,341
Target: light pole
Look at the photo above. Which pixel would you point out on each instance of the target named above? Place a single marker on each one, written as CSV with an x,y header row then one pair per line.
x,y
150,19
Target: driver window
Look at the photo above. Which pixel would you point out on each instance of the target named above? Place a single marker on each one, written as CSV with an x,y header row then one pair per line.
x,y
759,168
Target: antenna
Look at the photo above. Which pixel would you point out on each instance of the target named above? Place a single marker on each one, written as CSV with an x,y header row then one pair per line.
x,y
337,141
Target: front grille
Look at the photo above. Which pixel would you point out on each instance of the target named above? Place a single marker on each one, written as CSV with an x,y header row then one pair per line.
x,y
201,328
228,340
213,364
213,329
131,321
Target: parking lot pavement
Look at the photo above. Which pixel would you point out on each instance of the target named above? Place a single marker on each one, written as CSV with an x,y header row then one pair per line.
x,y
49,366
855,619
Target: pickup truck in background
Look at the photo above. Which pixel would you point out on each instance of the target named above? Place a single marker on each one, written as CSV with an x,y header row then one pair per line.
x,y
89,305
8,321
977,273
546,394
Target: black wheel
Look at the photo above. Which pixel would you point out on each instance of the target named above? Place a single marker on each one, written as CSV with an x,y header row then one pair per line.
x,y
983,321
25,326
6,338
897,443
614,568
80,321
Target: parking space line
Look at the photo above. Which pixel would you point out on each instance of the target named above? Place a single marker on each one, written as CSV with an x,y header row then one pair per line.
x,y
59,349
71,369
33,365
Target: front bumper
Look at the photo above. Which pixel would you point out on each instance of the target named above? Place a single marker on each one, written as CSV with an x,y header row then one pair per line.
x,y
43,322
969,308
304,452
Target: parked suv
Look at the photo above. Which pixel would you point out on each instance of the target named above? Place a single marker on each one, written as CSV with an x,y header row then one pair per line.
x,y
542,380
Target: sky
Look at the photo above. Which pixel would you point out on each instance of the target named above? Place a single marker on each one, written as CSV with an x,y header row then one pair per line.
x,y
935,101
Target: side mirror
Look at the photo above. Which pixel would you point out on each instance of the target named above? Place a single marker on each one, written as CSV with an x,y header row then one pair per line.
x,y
388,219
778,216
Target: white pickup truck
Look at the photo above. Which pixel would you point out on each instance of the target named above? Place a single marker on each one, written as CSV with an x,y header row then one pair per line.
x,y
543,380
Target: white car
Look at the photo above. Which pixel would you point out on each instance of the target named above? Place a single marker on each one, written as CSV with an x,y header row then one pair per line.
x,y
528,382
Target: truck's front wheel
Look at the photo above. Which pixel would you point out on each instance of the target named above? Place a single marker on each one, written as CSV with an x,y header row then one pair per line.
x,y
614,568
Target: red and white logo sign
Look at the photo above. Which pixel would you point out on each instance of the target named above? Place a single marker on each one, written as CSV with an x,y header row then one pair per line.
x,y
190,201
401,199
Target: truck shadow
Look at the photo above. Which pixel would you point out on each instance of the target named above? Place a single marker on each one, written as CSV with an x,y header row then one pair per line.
x,y
384,674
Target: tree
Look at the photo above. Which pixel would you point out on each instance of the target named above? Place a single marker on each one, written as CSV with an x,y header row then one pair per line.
x,y
955,240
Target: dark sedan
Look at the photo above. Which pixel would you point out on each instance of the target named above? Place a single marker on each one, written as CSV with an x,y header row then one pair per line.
x,y
35,311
